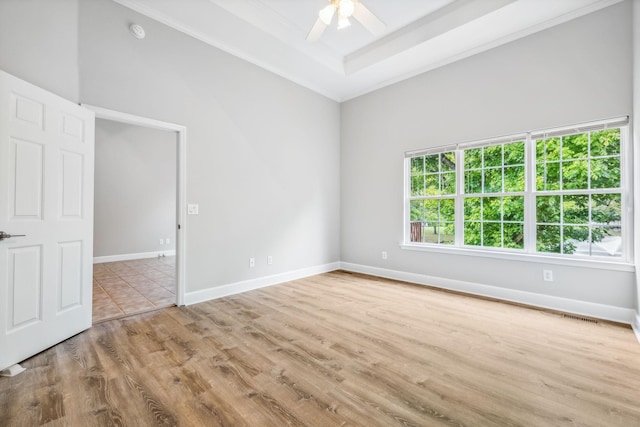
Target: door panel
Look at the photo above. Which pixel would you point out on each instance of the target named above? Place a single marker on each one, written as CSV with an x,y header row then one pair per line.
x,y
70,280
46,193
26,183
25,286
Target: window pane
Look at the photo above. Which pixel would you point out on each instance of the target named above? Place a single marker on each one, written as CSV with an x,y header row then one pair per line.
x,y
491,208
605,142
472,209
431,211
417,165
548,238
473,158
431,185
576,240
448,210
493,156
446,233
472,233
448,161
432,163
416,210
514,178
548,209
514,235
448,183
513,208
575,209
417,185
605,173
575,146
607,241
416,232
493,180
430,233
551,150
492,234
606,209
473,182
514,153
548,176
575,175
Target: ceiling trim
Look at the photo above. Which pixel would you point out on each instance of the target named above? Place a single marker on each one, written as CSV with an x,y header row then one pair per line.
x,y
435,24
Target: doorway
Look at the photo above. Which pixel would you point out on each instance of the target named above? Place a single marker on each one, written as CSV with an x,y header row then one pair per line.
x,y
139,189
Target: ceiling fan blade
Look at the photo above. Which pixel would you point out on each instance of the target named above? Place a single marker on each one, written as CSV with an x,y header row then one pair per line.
x,y
316,31
368,19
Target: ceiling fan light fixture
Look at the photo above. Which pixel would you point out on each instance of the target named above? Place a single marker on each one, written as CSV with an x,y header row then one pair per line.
x,y
343,22
327,12
346,8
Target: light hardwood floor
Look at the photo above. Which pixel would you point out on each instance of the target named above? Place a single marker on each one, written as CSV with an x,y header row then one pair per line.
x,y
334,350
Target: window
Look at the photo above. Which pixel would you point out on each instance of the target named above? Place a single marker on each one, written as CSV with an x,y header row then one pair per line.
x,y
559,192
494,195
579,194
432,206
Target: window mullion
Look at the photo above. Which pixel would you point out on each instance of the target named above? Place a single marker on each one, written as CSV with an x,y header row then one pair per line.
x,y
459,203
530,196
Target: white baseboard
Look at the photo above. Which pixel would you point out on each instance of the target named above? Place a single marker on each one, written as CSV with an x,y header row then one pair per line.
x,y
636,325
128,257
584,308
260,282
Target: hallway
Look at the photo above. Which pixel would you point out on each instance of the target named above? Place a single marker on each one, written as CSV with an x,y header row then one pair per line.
x,y
124,288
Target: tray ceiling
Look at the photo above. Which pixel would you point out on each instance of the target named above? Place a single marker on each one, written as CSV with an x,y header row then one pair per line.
x,y
421,35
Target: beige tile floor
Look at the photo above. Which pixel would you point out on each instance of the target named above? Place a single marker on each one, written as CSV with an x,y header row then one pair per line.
x,y
128,287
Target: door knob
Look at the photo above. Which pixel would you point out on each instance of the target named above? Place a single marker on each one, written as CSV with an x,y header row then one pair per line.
x,y
4,235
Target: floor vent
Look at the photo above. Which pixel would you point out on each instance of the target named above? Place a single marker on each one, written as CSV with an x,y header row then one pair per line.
x,y
584,319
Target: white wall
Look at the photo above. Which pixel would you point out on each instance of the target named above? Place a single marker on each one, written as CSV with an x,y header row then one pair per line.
x,y
262,152
39,43
572,73
135,189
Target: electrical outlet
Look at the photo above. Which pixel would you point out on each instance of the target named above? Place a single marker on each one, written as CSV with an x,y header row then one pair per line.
x,y
269,260
162,241
167,241
193,209
252,262
547,275
384,255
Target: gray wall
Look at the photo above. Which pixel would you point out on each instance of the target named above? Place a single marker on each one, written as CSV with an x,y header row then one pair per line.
x,y
576,72
636,137
135,189
262,152
39,43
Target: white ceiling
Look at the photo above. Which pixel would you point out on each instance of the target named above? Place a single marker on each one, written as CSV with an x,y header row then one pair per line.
x,y
421,35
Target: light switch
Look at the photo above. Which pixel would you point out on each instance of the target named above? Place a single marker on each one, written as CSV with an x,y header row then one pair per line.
x,y
192,209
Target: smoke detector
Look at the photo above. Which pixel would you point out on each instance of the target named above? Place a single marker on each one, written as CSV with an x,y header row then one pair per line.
x,y
137,31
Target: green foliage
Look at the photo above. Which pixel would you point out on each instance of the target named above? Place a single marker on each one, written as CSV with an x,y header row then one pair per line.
x,y
579,162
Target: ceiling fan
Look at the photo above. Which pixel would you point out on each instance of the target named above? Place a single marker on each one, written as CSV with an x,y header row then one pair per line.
x,y
345,9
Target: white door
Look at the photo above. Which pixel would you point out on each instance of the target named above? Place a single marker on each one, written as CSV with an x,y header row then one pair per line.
x,y
46,193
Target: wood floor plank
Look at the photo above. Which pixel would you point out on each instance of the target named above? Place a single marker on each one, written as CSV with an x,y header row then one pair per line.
x,y
336,349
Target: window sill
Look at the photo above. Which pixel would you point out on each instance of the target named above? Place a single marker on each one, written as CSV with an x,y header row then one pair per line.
x,y
541,259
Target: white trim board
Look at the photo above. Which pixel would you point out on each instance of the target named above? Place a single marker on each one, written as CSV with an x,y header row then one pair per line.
x,y
584,308
636,325
181,199
128,257
257,283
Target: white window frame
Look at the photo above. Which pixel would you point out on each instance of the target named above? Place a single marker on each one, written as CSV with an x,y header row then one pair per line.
x,y
529,253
